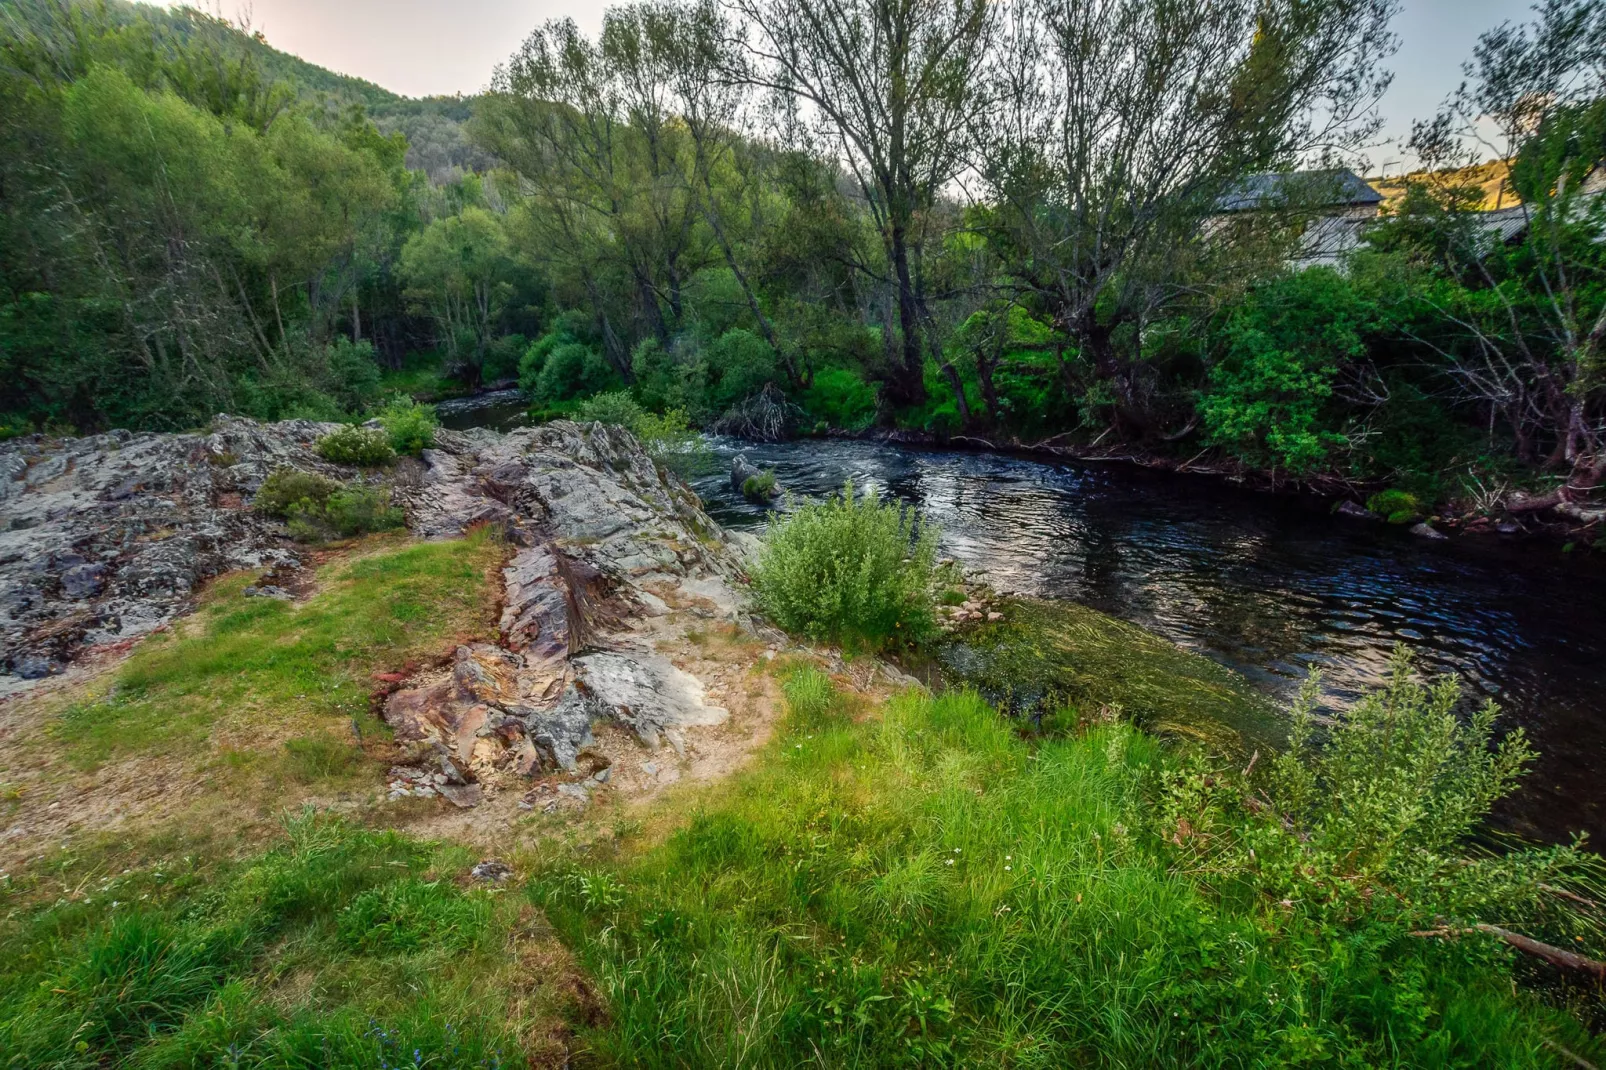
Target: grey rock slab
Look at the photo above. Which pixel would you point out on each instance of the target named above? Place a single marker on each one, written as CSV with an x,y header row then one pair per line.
x,y
647,694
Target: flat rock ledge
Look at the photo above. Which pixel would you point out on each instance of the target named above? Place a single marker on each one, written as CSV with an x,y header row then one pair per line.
x,y
107,538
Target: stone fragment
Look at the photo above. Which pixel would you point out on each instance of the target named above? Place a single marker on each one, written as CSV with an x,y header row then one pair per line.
x,y
492,870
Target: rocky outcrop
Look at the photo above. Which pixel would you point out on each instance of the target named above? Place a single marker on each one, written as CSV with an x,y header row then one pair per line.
x,y
104,539
606,540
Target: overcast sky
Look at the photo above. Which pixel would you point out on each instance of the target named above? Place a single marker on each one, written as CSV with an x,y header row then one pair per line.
x,y
425,47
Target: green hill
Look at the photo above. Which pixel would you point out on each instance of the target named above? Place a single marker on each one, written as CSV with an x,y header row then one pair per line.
x,y
434,126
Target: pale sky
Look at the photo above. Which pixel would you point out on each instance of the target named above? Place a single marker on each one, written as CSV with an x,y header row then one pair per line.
x,y
427,47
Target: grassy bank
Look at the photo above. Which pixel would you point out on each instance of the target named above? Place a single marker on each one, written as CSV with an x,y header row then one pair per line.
x,y
245,669
923,888
338,948
913,882
906,886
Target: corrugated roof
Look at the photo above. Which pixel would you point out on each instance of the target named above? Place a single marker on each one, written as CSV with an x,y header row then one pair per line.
x,y
1327,189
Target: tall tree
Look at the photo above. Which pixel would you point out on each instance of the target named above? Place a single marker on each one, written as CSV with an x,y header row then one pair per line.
x,y
893,90
1530,337
1119,124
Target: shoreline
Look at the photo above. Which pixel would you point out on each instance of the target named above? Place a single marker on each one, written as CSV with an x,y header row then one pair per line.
x,y
1333,489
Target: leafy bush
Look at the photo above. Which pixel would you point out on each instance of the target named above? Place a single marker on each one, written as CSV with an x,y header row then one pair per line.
x,y
572,370
355,510
744,363
288,487
361,446
671,378
409,425
1366,827
841,398
1396,506
612,407
849,570
1285,345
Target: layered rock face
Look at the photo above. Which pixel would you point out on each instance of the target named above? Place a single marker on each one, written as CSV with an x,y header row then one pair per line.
x,y
104,539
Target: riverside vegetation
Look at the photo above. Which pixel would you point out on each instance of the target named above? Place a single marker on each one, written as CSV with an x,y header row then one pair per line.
x,y
703,208
919,881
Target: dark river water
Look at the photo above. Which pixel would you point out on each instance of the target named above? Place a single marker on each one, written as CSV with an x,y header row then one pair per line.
x,y
1266,585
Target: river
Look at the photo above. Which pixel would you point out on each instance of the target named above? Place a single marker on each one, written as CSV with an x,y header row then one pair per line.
x,y
1266,585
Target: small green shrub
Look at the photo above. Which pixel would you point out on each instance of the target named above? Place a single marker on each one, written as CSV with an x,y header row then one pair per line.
x,y
759,488
409,426
1396,506
1365,826
361,446
287,487
849,570
355,510
953,596
612,407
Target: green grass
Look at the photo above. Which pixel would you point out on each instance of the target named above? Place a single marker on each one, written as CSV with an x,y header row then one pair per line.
x,y
244,662
927,889
338,948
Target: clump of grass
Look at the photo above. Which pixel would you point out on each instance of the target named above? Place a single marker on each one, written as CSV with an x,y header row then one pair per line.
x,y
409,425
411,915
850,570
759,488
364,447
929,889
185,968
1396,506
314,758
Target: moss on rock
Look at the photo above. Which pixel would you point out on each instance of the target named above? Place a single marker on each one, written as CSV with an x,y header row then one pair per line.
x,y
1046,657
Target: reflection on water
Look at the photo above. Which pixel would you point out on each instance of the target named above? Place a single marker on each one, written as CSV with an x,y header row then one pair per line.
x,y
1267,586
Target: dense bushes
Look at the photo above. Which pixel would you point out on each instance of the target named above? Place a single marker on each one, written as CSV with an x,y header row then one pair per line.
x,y
361,446
849,570
315,508
409,425
1270,392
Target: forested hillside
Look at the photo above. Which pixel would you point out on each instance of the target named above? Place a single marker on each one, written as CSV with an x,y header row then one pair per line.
x,y
999,220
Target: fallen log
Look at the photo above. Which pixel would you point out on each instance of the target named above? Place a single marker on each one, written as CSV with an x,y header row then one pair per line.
x,y
1556,956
